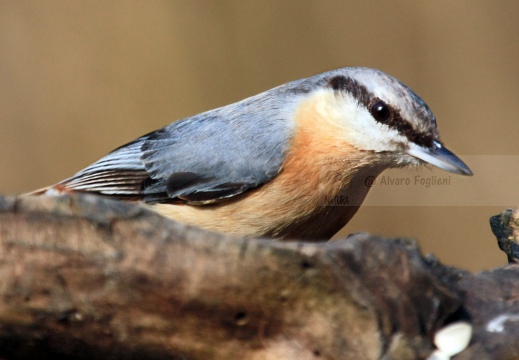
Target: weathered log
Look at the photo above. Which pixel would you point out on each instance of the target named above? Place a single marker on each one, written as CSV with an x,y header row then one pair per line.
x,y
86,277
506,229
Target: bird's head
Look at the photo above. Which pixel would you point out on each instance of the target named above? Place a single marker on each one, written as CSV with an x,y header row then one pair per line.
x,y
380,115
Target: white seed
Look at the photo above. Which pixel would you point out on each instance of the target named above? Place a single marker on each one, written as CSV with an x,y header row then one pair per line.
x,y
453,338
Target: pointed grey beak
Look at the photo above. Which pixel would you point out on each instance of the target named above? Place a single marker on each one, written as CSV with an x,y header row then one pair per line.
x,y
441,157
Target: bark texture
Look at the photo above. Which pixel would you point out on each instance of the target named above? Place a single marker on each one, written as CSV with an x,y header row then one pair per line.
x,y
85,277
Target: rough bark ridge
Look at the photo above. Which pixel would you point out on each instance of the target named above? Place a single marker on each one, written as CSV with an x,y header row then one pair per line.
x,y
84,277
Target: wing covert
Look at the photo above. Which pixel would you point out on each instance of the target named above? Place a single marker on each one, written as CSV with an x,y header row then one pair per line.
x,y
216,155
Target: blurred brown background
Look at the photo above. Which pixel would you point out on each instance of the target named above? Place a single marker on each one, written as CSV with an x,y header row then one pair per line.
x,y
79,78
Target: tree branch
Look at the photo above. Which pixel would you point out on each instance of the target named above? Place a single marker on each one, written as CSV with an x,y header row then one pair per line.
x,y
86,277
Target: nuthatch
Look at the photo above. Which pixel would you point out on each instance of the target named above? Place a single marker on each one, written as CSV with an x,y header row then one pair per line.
x,y
272,164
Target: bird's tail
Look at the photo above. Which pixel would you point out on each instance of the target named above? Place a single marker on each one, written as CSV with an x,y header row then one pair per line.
x,y
38,192
48,190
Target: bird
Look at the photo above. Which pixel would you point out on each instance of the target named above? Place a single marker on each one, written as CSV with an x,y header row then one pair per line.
x,y
289,163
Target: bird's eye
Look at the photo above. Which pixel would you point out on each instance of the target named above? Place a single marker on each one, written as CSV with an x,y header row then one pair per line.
x,y
380,111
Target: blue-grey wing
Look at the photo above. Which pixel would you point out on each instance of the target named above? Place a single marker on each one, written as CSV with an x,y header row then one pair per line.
x,y
202,159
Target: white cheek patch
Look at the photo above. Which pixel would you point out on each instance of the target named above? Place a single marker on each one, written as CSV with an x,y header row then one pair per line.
x,y
363,131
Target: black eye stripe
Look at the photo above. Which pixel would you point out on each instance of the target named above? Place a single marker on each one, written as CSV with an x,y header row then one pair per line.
x,y
359,92
396,121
